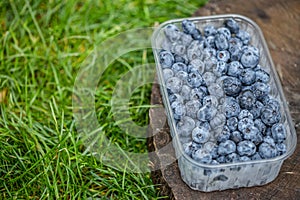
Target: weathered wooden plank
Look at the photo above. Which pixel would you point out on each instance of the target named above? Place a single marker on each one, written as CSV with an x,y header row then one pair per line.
x,y
280,23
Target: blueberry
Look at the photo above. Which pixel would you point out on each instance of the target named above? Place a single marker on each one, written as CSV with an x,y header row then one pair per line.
x,y
221,42
178,58
209,53
175,97
245,114
167,73
202,156
244,158
223,55
232,86
186,39
225,31
220,68
256,109
194,50
247,76
260,90
188,26
210,63
196,35
182,75
178,49
185,92
235,48
278,132
166,59
218,121
174,84
221,159
232,157
246,99
232,25
260,126
256,156
179,66
210,42
245,123
281,148
198,93
232,123
226,147
224,135
216,90
200,135
192,107
267,150
205,125
252,133
212,100
209,30
209,78
244,37
234,68
172,32
268,139
214,162
236,136
178,110
194,79
198,65
262,76
212,148
246,148
206,112
191,147
250,57
185,126
269,115
231,107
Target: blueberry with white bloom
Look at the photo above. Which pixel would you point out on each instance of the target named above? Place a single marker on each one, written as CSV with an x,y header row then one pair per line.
x,y
246,99
179,66
192,107
206,112
278,132
202,156
226,147
234,68
244,36
267,150
223,55
250,57
166,59
167,73
232,25
185,126
174,84
232,86
221,42
172,32
209,30
200,135
247,76
246,148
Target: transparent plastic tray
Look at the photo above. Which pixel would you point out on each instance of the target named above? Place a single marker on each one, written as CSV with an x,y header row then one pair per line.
x,y
206,177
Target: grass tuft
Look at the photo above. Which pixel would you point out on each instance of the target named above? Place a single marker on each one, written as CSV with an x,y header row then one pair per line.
x,y
42,46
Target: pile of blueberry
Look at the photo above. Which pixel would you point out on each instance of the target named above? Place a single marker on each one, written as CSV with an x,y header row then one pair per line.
x,y
220,95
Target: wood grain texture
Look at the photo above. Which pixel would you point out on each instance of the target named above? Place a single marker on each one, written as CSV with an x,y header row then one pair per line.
x,y
280,24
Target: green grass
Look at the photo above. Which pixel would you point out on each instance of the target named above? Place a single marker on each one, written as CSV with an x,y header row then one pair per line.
x,y
42,45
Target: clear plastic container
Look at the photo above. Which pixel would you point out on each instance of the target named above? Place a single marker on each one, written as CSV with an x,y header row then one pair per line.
x,y
206,177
